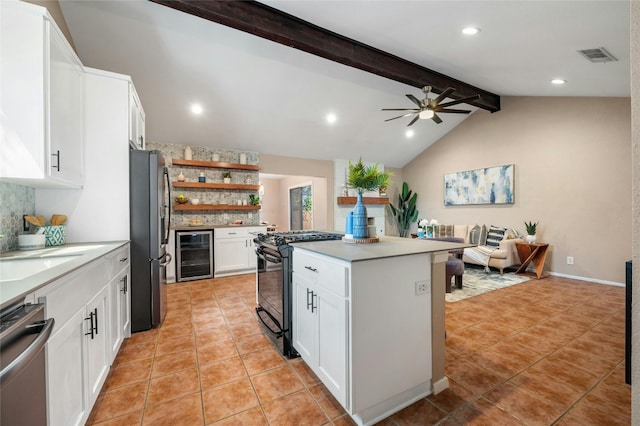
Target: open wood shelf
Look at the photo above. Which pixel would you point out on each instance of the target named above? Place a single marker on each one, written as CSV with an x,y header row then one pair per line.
x,y
204,185
203,207
350,201
213,164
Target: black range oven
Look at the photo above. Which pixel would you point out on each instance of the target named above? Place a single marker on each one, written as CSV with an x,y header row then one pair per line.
x,y
275,254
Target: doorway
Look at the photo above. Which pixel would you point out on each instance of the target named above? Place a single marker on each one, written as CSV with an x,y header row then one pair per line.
x,y
301,208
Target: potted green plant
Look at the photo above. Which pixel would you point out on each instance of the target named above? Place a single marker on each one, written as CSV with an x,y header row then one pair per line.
x,y
405,212
531,231
226,177
364,178
254,199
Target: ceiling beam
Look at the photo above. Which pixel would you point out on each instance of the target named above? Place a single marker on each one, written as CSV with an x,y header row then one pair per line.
x,y
266,22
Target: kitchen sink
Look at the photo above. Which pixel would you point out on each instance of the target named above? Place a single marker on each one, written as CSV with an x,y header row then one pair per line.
x,y
18,268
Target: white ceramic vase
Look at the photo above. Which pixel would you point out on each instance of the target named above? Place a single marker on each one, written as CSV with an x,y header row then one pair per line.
x,y
531,239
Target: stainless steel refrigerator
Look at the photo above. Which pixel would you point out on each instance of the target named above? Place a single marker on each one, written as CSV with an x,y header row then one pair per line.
x,y
150,217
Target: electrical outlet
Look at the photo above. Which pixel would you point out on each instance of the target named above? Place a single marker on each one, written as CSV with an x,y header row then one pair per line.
x,y
569,260
422,287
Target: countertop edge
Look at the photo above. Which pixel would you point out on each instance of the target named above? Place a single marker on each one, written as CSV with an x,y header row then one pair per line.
x,y
387,247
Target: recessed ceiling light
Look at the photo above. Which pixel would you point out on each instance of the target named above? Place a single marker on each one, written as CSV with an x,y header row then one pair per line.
x,y
558,81
196,109
331,118
470,31
409,133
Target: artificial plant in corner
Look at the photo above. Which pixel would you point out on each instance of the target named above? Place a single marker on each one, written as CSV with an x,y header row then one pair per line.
x,y
405,212
364,178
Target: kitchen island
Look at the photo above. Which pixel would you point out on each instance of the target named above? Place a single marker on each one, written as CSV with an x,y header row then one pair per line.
x,y
369,320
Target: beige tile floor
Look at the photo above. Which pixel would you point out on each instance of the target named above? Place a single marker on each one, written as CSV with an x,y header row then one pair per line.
x,y
544,352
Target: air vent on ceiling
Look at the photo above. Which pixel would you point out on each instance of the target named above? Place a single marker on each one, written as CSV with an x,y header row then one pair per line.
x,y
599,54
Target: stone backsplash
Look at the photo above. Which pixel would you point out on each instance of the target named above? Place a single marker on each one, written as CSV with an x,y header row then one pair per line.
x,y
210,196
15,201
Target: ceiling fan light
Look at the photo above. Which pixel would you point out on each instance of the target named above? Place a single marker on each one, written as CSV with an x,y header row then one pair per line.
x,y
425,114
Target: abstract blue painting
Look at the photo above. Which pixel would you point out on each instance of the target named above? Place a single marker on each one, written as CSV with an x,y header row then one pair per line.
x,y
491,185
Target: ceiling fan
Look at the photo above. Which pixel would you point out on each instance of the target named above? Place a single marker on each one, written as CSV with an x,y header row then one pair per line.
x,y
428,108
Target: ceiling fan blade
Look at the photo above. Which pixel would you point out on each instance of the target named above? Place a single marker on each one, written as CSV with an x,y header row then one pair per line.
x,y
400,109
460,101
452,111
443,95
414,100
416,118
400,116
436,118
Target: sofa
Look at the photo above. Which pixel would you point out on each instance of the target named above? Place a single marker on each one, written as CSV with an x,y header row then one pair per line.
x,y
494,249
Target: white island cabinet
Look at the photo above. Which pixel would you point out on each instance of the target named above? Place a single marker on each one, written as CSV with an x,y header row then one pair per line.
x,y
41,102
368,319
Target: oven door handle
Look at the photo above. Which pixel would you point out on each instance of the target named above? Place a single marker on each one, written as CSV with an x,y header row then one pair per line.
x,y
278,334
268,256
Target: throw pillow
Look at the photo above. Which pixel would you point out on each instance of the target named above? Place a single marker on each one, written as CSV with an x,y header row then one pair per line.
x,y
478,235
495,235
443,231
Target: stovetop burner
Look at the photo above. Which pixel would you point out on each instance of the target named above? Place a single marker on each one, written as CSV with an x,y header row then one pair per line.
x,y
282,238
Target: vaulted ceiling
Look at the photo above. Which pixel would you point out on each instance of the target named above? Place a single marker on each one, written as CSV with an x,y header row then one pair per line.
x,y
267,97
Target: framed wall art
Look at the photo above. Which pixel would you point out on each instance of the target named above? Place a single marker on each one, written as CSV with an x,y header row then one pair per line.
x,y
491,185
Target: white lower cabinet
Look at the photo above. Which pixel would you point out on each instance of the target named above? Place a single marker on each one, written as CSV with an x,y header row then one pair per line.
x,y
66,372
96,339
320,319
234,250
92,314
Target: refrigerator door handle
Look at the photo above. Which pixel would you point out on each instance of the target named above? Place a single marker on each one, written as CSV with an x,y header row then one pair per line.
x,y
167,226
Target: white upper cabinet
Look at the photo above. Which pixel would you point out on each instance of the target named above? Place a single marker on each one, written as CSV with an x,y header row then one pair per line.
x,y
41,95
136,120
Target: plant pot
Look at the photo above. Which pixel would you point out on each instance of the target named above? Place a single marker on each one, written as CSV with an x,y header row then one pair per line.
x,y
531,239
360,224
226,180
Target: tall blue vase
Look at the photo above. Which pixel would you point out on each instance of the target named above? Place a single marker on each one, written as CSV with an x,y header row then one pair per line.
x,y
360,226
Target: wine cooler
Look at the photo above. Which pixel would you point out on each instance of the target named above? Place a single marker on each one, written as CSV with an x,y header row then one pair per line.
x,y
194,251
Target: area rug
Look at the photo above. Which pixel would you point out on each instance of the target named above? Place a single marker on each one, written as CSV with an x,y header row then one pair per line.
x,y
476,281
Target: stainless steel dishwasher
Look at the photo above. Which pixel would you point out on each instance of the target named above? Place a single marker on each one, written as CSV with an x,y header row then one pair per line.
x,y
23,334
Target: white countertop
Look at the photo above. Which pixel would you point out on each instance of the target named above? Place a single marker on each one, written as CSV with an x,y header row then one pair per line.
x,y
81,253
387,247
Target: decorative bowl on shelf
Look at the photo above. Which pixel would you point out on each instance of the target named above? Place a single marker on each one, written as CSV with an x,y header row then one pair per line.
x,y
182,200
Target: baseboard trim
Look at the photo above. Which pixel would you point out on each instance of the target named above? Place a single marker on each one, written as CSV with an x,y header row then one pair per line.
x,y
592,280
440,385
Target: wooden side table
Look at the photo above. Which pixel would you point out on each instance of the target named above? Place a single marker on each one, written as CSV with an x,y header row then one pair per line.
x,y
535,253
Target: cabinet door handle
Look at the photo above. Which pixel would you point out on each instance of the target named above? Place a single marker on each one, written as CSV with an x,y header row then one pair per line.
x,y
95,315
123,280
57,165
91,327
314,306
311,269
309,301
